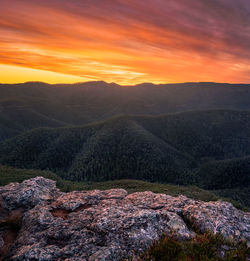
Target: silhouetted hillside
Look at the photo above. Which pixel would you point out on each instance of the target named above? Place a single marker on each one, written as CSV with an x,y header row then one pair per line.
x,y
31,105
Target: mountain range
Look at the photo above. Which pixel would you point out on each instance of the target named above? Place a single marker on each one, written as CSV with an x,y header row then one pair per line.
x,y
191,133
35,104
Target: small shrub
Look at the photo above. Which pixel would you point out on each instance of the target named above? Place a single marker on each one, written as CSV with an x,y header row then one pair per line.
x,y
207,247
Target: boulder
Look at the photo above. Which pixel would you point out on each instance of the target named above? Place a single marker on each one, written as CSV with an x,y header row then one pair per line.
x,y
108,225
28,194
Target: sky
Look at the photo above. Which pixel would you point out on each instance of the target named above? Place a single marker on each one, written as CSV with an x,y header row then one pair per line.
x,y
125,41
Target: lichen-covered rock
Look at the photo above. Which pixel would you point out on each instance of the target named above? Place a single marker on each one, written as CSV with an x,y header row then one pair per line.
x,y
108,225
29,193
219,217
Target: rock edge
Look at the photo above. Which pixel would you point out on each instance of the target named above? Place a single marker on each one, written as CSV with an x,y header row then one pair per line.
x,y
104,225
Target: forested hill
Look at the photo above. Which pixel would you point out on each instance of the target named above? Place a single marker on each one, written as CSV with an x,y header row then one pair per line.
x,y
32,105
176,148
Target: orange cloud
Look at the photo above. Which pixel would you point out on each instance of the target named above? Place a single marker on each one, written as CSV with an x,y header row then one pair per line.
x,y
127,42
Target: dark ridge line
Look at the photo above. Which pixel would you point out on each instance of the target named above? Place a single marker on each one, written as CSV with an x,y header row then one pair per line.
x,y
113,84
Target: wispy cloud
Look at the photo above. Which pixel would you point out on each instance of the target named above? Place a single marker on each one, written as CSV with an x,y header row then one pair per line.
x,y
129,41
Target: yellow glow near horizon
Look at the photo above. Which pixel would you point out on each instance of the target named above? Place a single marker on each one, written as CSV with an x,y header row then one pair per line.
x,y
16,74
127,42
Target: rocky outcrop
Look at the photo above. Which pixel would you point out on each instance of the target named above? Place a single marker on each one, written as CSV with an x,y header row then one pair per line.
x,y
104,225
28,194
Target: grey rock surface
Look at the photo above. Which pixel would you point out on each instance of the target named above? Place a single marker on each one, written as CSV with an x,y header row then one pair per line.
x,y
28,194
108,225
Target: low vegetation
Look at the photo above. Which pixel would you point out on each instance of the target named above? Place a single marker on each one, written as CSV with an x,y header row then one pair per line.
x,y
239,195
206,247
10,174
140,186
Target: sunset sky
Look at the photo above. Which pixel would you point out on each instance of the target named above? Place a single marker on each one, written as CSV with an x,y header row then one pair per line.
x,y
125,41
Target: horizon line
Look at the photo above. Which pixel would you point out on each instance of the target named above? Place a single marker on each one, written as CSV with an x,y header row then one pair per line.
x,y
123,85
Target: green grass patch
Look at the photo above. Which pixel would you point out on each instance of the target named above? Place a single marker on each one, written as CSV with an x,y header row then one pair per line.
x,y
140,186
10,174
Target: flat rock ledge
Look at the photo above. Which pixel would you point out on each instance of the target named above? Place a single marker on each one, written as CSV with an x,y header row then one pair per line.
x,y
102,225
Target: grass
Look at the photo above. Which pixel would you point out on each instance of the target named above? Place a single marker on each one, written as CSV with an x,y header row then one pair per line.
x,y
139,186
239,195
206,247
10,174
132,186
